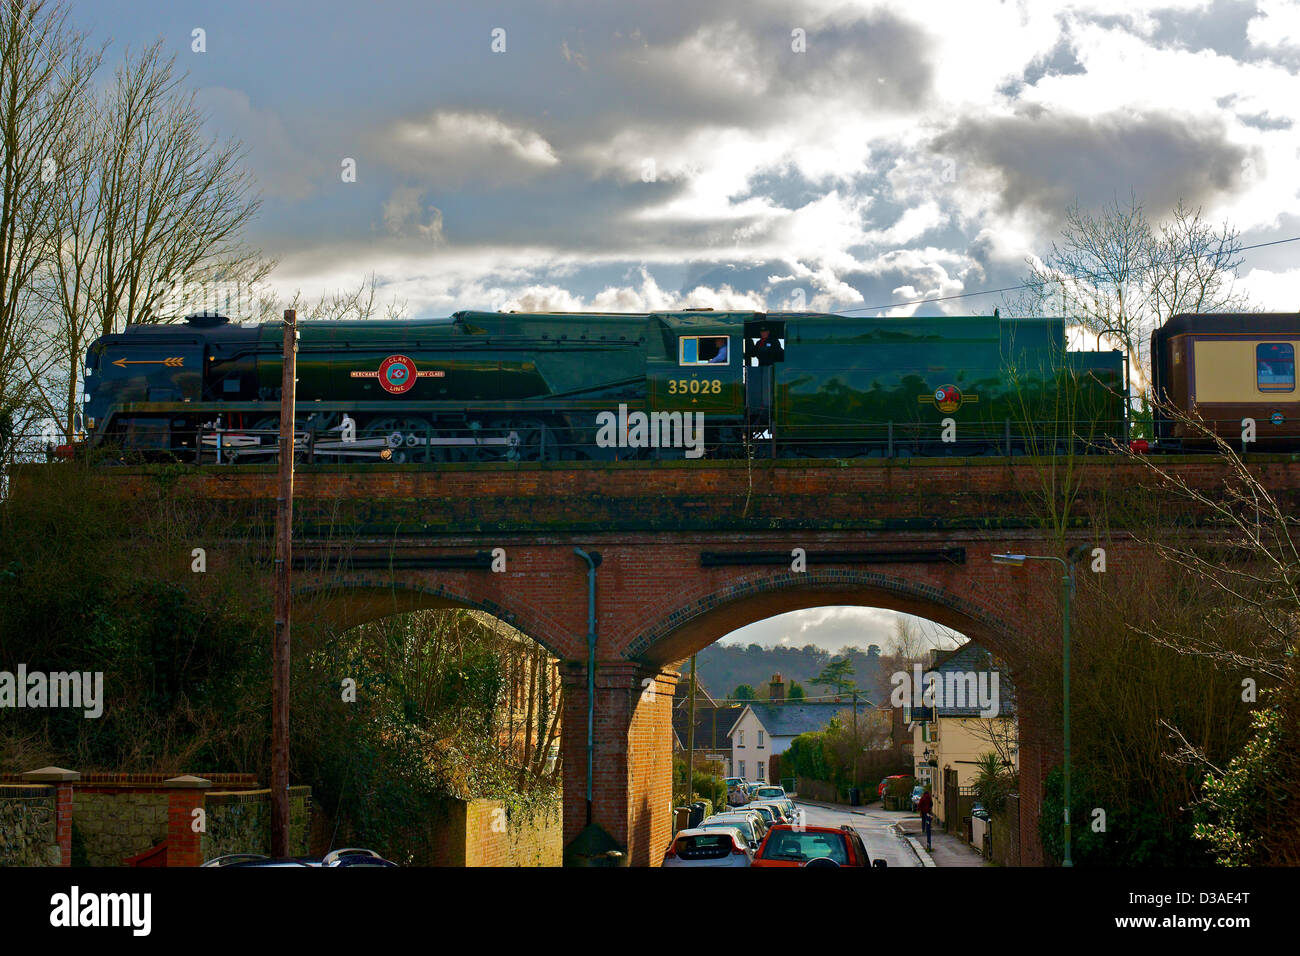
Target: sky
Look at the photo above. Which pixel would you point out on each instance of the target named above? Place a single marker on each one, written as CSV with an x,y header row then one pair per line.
x,y
560,154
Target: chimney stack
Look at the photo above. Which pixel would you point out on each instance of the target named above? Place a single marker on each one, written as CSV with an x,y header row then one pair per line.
x,y
776,689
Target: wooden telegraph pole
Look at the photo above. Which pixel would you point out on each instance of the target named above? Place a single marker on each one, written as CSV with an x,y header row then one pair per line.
x,y
283,599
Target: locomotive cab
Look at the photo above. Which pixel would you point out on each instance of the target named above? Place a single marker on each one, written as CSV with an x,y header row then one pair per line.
x,y
702,368
764,350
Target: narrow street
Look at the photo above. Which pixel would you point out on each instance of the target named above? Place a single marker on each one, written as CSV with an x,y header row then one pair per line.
x,y
875,826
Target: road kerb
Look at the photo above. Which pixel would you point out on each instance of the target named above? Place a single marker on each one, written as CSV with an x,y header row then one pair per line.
x,y
922,856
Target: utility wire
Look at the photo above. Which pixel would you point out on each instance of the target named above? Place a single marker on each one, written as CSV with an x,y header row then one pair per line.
x,y
1030,285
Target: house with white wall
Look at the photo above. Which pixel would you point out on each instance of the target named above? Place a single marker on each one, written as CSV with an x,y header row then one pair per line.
x,y
766,728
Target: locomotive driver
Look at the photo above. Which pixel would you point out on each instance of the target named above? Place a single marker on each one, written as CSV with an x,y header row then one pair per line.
x,y
766,350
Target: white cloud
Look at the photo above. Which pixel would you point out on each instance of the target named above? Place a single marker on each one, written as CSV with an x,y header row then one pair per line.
x,y
1273,291
454,146
832,628
1276,24
645,297
405,215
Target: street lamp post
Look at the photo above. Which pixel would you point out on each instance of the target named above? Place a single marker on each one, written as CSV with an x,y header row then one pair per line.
x,y
1067,590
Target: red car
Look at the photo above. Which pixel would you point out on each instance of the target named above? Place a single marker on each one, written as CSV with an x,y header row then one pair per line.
x,y
884,784
787,845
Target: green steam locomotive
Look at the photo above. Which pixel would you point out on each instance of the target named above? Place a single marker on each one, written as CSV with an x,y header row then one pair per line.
x,y
493,386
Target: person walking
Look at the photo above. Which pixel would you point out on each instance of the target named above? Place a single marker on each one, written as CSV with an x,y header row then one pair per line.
x,y
923,807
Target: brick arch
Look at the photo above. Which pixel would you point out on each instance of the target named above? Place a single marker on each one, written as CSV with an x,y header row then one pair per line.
x,y
350,601
704,617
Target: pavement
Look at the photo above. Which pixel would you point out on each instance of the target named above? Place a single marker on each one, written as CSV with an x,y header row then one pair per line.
x,y
894,835
946,849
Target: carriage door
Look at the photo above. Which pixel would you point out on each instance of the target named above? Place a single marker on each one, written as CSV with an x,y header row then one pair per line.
x,y
764,350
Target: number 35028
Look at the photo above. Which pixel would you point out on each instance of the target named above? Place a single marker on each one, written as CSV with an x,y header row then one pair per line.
x,y
694,386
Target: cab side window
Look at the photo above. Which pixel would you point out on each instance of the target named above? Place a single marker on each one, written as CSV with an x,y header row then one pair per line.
x,y
704,350
1275,367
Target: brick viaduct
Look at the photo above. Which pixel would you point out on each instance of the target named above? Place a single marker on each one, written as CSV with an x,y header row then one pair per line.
x,y
690,552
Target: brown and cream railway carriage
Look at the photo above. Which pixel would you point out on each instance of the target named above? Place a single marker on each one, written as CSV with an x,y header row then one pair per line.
x,y
1224,368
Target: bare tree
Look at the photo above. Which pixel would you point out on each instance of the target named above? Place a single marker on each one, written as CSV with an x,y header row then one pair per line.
x,y
73,264
1236,582
1252,562
174,202
1194,266
1113,272
350,302
45,69
138,203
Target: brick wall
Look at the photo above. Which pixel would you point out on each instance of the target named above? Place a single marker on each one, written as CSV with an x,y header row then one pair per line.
x,y
116,815
485,833
656,604
632,765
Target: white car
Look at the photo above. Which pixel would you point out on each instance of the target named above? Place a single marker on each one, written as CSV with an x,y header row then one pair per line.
x,y
718,846
768,793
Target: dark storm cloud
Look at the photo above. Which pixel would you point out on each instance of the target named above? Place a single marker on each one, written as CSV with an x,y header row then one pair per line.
x,y
733,64
1046,160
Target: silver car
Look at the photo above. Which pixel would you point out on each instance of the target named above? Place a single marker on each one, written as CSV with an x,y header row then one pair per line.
x,y
773,812
772,794
712,847
751,824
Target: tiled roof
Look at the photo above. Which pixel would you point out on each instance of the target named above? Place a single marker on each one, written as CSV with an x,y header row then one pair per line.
x,y
791,720
972,658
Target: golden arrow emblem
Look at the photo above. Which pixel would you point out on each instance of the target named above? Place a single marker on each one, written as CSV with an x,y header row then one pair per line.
x,y
176,361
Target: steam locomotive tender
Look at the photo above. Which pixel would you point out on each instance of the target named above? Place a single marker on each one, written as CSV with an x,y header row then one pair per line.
x,y
490,386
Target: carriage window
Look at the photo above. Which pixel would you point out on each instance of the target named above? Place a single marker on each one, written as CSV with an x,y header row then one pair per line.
x,y
705,350
1275,367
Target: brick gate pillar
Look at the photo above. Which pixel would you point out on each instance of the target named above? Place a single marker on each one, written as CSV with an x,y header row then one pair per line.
x,y
62,780
184,796
632,766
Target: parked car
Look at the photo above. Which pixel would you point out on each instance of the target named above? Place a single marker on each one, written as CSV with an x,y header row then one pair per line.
x,y
351,856
751,825
778,811
774,794
716,846
978,811
814,846
916,795
252,859
741,828
884,784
